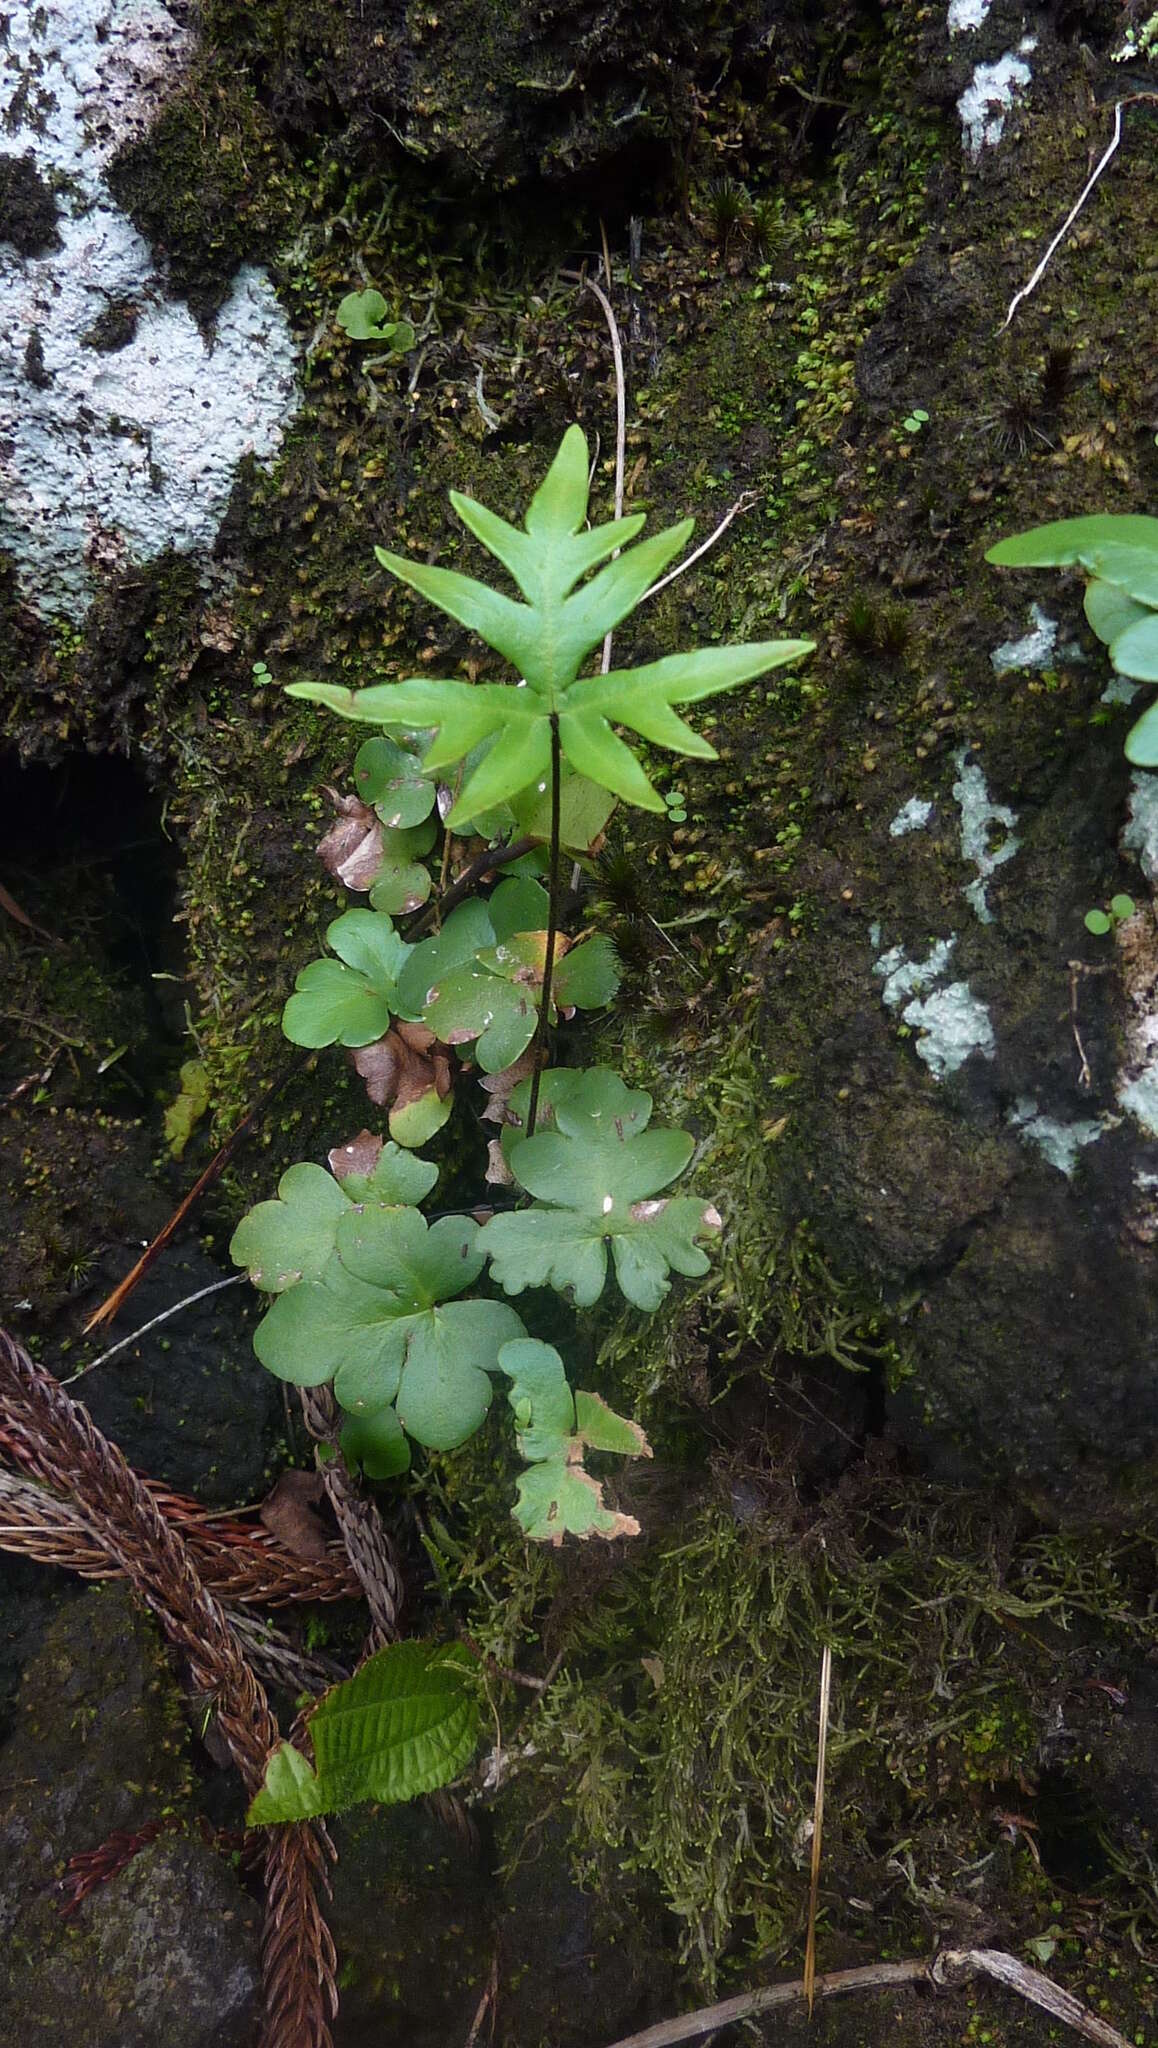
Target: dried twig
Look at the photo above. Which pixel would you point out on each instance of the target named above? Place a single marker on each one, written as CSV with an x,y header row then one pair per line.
x,y
744,503
947,1970
114,1302
1079,970
809,1984
124,1343
1134,99
61,1442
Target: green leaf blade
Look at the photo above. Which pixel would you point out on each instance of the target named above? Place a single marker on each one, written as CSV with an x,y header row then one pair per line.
x,y
292,1238
405,1724
1063,543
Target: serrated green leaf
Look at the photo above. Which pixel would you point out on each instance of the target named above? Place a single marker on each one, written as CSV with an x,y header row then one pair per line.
x,y
1142,740
1062,543
391,778
1135,651
406,1723
557,1499
1109,610
291,1239
599,1171
587,977
376,1443
350,1000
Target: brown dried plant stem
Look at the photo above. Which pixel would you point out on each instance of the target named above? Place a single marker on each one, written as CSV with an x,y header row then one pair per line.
x,y
948,1970
60,1441
542,1030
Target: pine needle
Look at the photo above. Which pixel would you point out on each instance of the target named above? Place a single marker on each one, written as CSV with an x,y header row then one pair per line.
x,y
817,1827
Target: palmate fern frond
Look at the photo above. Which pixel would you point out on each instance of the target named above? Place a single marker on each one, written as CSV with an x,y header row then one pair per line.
x,y
546,638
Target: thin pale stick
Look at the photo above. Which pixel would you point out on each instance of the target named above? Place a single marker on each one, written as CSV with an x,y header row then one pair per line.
x,y
947,1970
744,503
125,1342
1068,222
809,1985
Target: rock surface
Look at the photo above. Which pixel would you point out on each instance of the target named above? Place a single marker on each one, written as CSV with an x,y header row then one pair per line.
x,y
168,1948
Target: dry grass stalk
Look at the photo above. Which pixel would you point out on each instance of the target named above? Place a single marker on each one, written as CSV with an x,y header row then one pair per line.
x,y
817,1827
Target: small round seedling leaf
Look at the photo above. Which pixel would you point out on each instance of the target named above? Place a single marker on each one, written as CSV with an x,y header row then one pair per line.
x,y
1121,907
402,883
391,778
361,315
1098,923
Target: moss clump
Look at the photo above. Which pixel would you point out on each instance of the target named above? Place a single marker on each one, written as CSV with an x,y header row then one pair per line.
x,y
210,185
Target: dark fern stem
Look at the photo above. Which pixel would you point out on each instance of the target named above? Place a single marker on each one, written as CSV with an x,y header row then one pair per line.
x,y
543,1028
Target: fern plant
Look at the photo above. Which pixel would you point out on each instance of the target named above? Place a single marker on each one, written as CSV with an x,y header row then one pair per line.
x,y
365,1294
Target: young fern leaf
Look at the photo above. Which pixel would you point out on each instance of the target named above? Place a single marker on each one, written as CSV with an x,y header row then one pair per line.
x,y
546,639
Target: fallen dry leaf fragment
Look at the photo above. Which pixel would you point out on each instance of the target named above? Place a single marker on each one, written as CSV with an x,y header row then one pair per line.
x,y
352,848
359,1156
402,1066
289,1514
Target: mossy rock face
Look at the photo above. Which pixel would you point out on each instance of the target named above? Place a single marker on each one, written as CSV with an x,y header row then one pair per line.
x,y
168,1948
505,95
